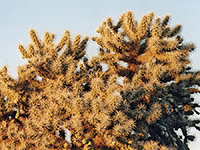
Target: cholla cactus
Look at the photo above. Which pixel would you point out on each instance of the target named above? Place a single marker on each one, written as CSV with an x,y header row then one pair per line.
x,y
69,100
153,60
61,100
22,99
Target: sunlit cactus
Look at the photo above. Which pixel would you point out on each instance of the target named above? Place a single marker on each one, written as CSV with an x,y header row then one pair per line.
x,y
62,100
45,57
158,82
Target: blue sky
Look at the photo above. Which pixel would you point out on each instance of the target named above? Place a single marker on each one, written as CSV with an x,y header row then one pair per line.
x,y
83,17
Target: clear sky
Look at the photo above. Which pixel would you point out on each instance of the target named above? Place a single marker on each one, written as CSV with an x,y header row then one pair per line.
x,y
83,17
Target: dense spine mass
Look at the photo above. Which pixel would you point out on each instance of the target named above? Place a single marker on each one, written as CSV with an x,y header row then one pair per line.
x,y
62,100
158,82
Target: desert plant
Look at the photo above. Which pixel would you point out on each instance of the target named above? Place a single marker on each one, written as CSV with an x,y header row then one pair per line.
x,y
62,100
158,81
